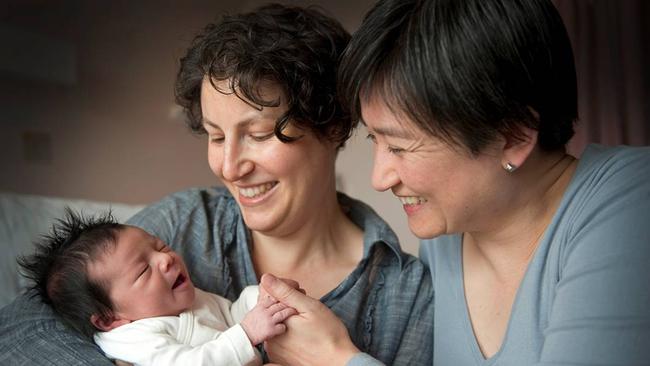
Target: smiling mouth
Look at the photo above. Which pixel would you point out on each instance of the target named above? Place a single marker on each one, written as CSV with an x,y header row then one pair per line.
x,y
412,200
179,281
253,192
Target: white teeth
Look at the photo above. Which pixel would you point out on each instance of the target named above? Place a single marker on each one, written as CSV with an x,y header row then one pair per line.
x,y
412,200
256,191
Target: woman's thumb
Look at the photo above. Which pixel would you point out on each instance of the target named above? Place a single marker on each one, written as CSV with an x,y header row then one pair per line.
x,y
286,294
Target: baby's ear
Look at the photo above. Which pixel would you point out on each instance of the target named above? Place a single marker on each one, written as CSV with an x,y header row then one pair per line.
x,y
105,324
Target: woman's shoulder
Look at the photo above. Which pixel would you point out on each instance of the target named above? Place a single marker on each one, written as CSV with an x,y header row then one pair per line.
x,y
192,198
595,255
619,162
609,174
186,202
606,203
195,209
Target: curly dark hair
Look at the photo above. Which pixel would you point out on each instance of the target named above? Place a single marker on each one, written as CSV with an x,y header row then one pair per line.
x,y
58,268
296,48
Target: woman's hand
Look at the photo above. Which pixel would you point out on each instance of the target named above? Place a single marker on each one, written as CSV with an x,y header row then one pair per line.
x,y
263,294
314,337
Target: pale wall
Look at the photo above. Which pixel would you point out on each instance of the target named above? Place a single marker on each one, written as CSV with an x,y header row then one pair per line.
x,y
114,133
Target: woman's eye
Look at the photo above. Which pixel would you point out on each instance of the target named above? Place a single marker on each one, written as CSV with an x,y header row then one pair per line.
x,y
262,136
216,139
390,149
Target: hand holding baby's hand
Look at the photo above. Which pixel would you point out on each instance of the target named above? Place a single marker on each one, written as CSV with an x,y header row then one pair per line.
x,y
266,319
263,294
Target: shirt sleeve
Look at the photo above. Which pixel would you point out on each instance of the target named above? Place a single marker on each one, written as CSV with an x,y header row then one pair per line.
x,y
601,311
397,326
146,343
246,301
416,341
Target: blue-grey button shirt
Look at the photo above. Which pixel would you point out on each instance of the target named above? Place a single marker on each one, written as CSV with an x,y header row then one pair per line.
x,y
385,302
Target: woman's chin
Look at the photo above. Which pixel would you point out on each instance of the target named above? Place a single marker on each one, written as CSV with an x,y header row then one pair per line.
x,y
260,222
424,230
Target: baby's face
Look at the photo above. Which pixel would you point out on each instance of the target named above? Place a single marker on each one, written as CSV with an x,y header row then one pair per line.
x,y
145,277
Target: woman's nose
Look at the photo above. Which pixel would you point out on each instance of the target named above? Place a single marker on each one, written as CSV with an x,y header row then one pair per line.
x,y
384,176
236,162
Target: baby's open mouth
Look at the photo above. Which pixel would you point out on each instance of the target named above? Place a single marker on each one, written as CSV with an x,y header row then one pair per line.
x,y
179,281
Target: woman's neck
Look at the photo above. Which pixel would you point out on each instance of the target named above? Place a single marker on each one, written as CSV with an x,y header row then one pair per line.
x,y
326,241
510,242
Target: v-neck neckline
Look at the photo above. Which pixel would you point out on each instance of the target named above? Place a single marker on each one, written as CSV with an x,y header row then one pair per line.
x,y
467,322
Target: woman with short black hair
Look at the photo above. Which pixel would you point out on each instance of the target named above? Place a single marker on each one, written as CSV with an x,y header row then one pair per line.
x,y
536,257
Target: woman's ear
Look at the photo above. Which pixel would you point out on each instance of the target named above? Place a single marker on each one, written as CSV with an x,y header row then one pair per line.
x,y
516,150
106,324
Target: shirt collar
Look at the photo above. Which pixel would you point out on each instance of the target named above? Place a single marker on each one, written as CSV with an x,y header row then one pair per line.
x,y
375,230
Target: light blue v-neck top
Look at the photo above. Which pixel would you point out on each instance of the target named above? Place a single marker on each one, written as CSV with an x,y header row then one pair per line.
x,y
585,298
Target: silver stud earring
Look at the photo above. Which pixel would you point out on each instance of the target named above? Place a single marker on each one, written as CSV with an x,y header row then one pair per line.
x,y
510,167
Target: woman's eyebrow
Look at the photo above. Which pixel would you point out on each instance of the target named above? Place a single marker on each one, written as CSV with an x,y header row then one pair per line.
x,y
207,122
393,132
388,131
244,122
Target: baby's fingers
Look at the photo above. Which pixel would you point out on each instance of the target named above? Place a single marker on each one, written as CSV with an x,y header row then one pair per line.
x,y
283,314
267,302
275,307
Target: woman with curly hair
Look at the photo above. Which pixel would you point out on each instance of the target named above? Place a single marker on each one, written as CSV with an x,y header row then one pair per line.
x,y
262,87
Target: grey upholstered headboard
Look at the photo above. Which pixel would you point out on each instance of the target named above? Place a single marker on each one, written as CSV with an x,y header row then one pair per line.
x,y
23,218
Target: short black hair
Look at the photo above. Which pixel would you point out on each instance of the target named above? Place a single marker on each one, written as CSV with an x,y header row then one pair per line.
x,y
296,48
58,269
466,71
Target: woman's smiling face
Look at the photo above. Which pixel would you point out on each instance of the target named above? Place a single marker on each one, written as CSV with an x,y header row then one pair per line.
x,y
277,185
443,188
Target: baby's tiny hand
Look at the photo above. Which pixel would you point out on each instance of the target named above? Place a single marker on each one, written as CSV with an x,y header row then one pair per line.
x,y
265,320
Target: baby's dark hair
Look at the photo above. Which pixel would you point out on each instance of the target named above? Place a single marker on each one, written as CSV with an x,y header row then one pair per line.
x,y
58,268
